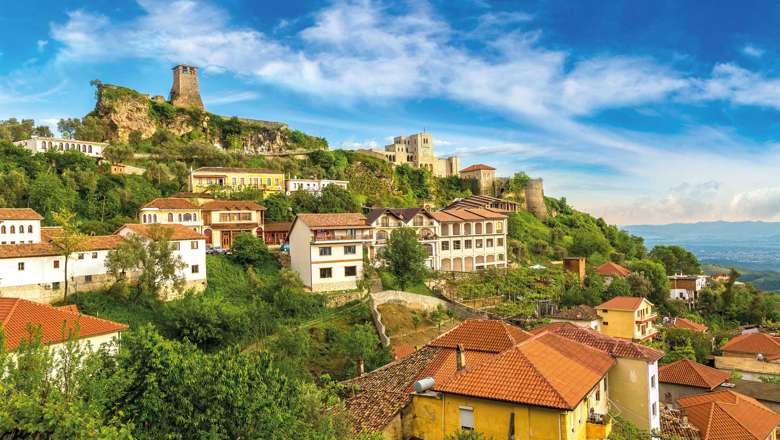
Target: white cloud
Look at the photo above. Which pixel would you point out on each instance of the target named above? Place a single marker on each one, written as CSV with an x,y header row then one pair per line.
x,y
41,44
230,98
732,83
753,51
763,203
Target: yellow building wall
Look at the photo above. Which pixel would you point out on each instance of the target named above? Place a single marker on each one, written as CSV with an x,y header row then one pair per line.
x,y
277,180
617,323
434,418
628,384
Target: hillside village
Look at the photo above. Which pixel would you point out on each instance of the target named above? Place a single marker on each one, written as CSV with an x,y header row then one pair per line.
x,y
166,272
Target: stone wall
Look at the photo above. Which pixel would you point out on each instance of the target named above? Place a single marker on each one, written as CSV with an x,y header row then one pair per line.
x,y
534,198
377,318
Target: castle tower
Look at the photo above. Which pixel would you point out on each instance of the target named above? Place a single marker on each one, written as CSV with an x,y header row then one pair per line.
x,y
184,92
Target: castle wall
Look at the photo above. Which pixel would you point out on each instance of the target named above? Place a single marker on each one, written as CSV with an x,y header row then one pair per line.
x,y
534,198
184,92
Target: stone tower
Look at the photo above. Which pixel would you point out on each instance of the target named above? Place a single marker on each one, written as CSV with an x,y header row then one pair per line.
x,y
184,92
534,198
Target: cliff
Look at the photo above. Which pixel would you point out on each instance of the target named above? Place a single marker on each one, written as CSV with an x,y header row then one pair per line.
x,y
129,114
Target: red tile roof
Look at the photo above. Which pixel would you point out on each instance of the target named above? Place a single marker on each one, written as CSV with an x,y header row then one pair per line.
x,y
614,346
170,203
728,415
94,243
687,324
16,314
546,370
332,220
486,335
19,214
611,269
232,205
688,372
581,312
674,426
628,303
277,227
754,343
463,215
178,232
477,167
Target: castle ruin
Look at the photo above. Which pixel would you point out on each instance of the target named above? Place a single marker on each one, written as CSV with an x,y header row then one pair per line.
x,y
184,92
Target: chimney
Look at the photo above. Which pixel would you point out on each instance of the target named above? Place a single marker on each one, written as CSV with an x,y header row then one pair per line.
x,y
460,357
361,367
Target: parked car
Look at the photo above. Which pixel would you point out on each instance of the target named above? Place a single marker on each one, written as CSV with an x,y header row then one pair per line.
x,y
215,250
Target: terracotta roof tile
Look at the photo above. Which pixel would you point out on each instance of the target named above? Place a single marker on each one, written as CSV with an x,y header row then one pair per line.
x,y
278,227
622,303
687,324
94,243
727,415
673,426
687,372
754,343
611,269
232,205
179,232
546,370
236,170
332,220
482,335
581,312
19,214
16,314
476,167
614,346
170,203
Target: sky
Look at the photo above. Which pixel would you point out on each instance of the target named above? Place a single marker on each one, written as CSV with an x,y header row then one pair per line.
x,y
642,112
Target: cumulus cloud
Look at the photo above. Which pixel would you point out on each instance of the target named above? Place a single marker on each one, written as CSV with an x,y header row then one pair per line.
x,y
760,203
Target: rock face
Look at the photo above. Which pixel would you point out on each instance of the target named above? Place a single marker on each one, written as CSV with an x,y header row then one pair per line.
x,y
126,111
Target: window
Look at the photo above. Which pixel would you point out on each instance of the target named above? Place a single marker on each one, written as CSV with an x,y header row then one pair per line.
x,y
87,278
500,257
499,227
195,268
181,218
193,245
350,271
655,408
2,229
467,229
598,395
385,221
235,181
56,264
489,243
445,245
466,244
326,272
268,181
81,256
456,229
55,285
13,229
29,229
456,245
350,250
20,266
176,246
478,244
445,230
466,418
170,217
489,228
652,381
478,228
500,242
242,181
604,323
325,251
94,255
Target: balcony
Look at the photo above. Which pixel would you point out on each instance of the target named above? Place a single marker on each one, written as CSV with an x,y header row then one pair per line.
x,y
599,427
647,318
348,235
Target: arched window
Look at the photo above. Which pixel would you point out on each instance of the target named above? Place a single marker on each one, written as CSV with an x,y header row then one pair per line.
x,y
194,217
188,217
478,228
144,218
381,235
29,229
180,217
13,229
170,217
155,218
489,228
467,229
2,229
89,148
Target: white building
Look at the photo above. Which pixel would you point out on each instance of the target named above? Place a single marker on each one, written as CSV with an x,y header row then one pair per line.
x,y
326,250
171,211
686,287
17,314
312,185
35,270
38,144
471,239
385,220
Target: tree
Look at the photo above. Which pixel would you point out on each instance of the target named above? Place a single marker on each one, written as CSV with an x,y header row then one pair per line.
x,y
676,259
656,274
618,287
48,195
587,242
517,184
43,131
405,257
680,352
68,240
639,285
151,256
68,126
118,153
249,250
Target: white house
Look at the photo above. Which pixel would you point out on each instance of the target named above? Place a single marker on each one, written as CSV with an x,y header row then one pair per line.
x,y
187,244
326,250
32,268
38,144
17,314
312,185
686,287
471,239
385,220
172,210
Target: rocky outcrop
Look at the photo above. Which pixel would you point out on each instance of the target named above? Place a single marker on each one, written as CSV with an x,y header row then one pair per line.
x,y
125,111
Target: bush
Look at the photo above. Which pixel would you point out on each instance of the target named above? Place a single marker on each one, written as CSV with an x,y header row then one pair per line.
x,y
249,250
209,321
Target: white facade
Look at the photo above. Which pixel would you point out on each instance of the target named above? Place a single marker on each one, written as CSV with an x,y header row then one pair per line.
x,y
473,245
328,259
654,401
38,144
426,226
312,185
20,231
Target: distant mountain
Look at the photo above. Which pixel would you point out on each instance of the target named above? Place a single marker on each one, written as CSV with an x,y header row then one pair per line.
x,y
752,245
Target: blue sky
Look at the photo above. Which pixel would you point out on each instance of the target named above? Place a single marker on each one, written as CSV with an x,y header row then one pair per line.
x,y
638,111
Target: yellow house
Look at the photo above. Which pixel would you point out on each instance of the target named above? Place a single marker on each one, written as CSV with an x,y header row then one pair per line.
x,y
210,178
628,317
490,377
